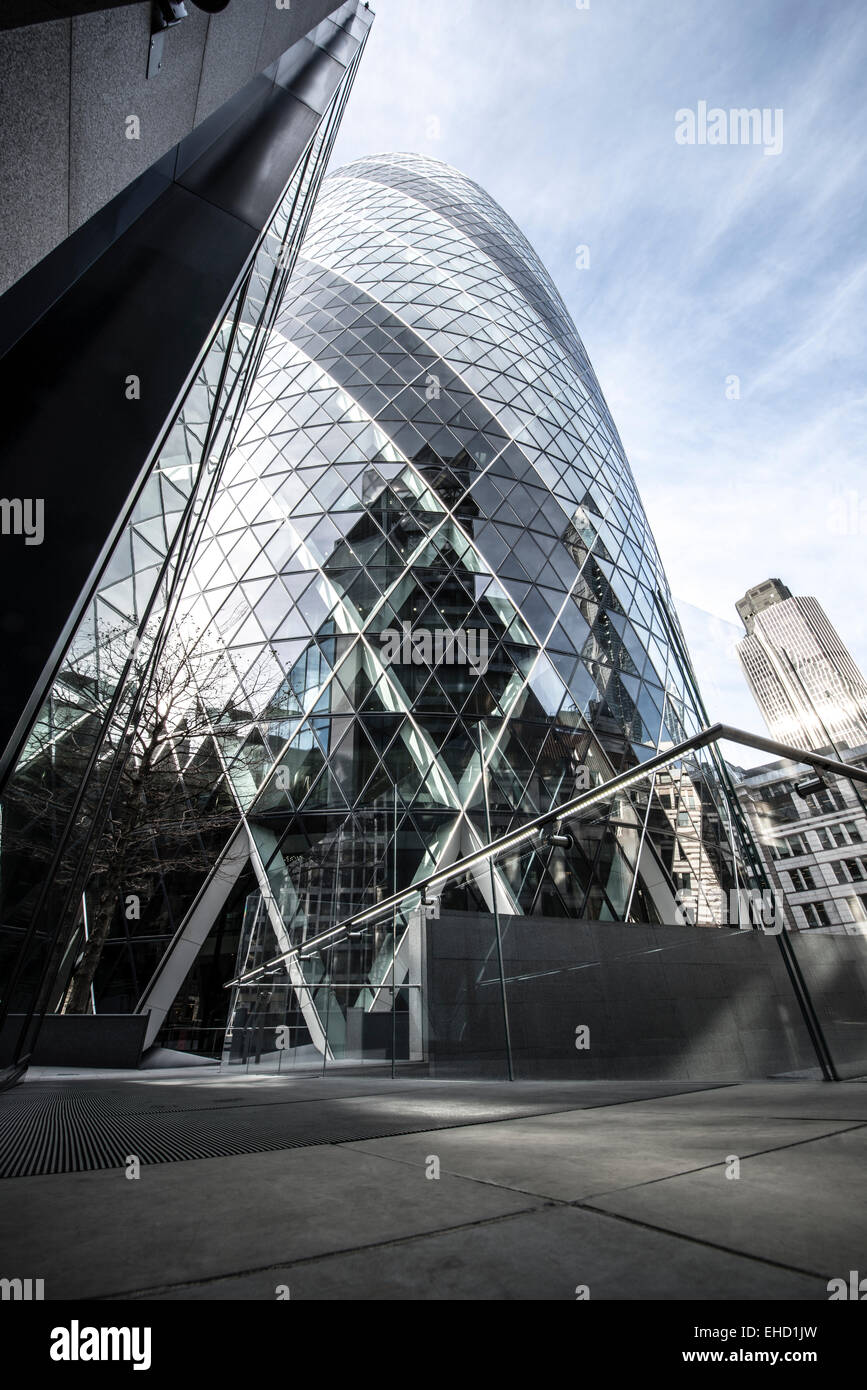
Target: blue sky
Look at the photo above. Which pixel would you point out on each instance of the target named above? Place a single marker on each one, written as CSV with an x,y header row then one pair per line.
x,y
706,262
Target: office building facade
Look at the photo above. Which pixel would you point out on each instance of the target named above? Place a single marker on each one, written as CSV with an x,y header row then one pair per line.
x,y
810,692
812,834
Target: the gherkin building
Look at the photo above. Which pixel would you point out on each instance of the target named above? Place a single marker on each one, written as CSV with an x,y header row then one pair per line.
x,y
427,608
430,551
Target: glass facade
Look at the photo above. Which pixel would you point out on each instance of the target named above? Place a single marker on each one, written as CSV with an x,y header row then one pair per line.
x,y
802,677
430,547
66,784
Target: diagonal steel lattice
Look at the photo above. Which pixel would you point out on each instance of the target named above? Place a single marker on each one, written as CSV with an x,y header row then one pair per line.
x,y
427,450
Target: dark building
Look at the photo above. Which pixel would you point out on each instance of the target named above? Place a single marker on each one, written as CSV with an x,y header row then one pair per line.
x,y
149,241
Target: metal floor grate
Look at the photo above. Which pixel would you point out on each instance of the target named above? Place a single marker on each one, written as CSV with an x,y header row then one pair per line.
x,y
81,1127
63,1133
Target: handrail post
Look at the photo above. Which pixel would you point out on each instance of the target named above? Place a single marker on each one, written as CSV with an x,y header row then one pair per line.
x,y
496,910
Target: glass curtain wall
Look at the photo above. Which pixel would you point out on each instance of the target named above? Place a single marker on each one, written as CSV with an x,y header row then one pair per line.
x,y
499,994
430,547
61,791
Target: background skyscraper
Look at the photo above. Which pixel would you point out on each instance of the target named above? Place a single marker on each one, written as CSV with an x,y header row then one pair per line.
x,y
804,681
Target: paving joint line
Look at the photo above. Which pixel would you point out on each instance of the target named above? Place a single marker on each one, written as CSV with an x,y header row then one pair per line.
x,y
699,1240
602,1192
291,1263
706,1167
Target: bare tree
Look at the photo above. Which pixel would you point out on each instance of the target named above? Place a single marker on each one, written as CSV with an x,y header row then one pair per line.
x,y
160,753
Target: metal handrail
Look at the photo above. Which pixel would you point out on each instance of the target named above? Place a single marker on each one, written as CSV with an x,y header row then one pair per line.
x,y
556,816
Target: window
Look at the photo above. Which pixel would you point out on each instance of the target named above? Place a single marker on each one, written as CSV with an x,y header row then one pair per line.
x,y
683,882
825,841
855,869
778,803
816,915
857,907
802,880
797,844
854,831
828,799
683,818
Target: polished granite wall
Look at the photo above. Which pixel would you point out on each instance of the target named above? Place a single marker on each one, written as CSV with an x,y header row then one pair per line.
x,y
666,1002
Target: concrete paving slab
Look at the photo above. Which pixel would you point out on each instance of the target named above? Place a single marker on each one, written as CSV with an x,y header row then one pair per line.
x,y
845,1100
360,1220
805,1207
573,1155
207,1086
97,1233
545,1254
